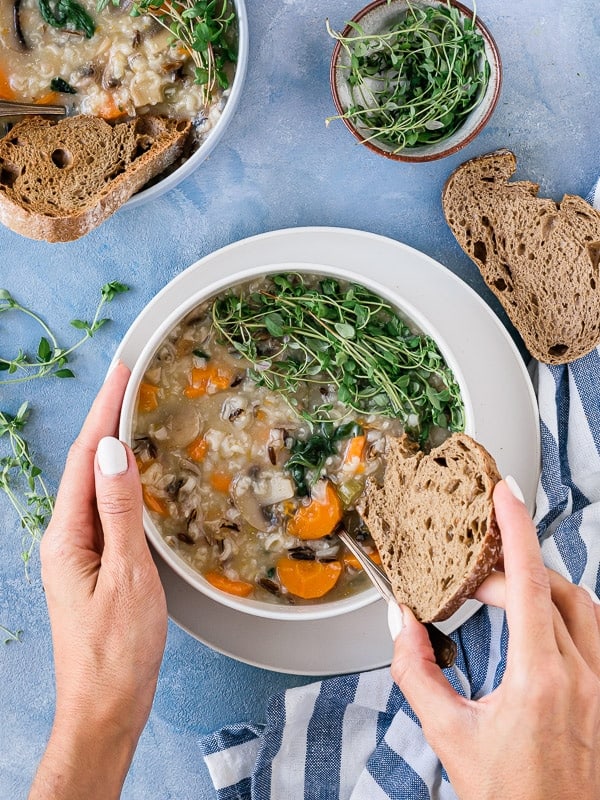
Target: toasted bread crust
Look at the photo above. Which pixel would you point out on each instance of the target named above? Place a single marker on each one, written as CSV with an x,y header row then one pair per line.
x,y
434,524
540,258
60,179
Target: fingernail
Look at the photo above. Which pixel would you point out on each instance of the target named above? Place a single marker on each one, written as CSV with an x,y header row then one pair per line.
x,y
514,487
591,593
394,618
112,456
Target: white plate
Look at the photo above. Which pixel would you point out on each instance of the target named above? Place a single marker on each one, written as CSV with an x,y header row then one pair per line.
x,y
506,422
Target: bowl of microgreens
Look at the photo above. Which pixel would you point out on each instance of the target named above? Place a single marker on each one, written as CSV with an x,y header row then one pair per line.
x,y
257,412
415,80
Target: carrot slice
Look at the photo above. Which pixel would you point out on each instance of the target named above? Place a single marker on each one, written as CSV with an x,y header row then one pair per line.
x,y
208,380
154,503
147,398
197,449
110,109
221,481
353,457
308,579
317,519
350,560
48,99
6,90
239,588
144,465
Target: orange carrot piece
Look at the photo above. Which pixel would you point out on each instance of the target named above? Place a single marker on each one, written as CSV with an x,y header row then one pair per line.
x,y
6,90
239,588
353,457
147,398
144,465
350,560
48,99
110,110
221,481
154,503
197,449
208,380
317,519
308,579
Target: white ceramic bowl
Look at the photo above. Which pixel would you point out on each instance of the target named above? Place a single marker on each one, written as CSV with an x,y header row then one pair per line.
x,y
182,172
170,321
378,17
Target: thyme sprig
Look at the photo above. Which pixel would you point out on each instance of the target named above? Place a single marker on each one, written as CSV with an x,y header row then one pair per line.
x,y
346,336
51,358
415,83
205,30
22,482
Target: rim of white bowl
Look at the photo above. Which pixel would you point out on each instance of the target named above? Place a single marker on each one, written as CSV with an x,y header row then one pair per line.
x,y
215,135
177,563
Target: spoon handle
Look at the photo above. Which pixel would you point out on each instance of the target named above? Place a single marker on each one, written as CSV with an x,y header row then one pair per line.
x,y
8,108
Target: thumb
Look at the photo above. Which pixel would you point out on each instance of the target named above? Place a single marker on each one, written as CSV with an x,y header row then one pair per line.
x,y
119,501
422,682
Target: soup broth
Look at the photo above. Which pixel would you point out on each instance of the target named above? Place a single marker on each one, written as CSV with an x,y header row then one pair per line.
x,y
248,481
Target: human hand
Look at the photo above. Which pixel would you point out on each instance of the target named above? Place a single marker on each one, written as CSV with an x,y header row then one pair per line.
x,y
107,612
538,734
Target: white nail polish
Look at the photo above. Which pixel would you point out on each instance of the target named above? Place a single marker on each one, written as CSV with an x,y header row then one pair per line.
x,y
112,456
591,593
394,618
514,487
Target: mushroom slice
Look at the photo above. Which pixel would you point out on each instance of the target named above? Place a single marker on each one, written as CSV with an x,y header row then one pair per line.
x,y
256,491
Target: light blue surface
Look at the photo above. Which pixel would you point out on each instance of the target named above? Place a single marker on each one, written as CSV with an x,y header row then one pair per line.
x,y
277,166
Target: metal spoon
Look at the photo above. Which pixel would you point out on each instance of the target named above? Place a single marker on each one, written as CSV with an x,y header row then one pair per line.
x,y
8,108
444,648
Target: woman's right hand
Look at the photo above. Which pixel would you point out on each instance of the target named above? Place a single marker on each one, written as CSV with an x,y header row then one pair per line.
x,y
537,736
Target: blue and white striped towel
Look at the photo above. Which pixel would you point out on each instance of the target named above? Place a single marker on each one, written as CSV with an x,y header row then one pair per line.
x,y
355,737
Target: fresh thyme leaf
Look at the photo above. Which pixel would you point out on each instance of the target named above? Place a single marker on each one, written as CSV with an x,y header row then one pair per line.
x,y
415,83
205,29
22,482
51,359
67,15
345,336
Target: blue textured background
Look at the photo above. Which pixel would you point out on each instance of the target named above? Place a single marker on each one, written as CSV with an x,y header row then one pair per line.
x,y
277,166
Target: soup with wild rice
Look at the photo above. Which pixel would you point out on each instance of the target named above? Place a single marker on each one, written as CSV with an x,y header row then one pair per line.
x,y
261,416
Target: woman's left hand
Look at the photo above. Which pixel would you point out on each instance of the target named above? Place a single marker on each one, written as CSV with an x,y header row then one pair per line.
x,y
107,611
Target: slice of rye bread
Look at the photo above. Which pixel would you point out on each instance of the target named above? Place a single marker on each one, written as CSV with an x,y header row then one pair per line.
x,y
540,258
60,179
434,524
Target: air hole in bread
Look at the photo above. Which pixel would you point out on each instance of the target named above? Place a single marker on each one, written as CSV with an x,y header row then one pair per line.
x,y
480,251
592,283
521,249
594,253
428,523
449,536
485,221
9,173
441,461
61,158
452,486
501,284
558,349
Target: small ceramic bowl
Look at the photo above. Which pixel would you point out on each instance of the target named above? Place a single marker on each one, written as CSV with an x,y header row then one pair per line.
x,y
173,178
380,16
164,325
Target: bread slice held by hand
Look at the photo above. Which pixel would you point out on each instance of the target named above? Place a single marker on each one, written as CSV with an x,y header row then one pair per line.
x,y
539,257
60,179
434,524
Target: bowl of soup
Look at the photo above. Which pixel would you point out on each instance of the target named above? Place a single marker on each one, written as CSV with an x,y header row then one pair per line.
x,y
121,59
258,411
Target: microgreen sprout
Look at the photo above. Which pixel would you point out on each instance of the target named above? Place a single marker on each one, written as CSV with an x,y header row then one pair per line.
x,y
415,83
22,482
345,336
51,359
204,30
10,636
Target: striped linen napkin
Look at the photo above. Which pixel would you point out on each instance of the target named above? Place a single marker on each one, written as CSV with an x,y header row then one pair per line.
x,y
355,737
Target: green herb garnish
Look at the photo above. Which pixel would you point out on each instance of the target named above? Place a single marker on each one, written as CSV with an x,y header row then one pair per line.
x,y
345,336
61,85
51,358
22,482
415,83
310,455
67,15
205,30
